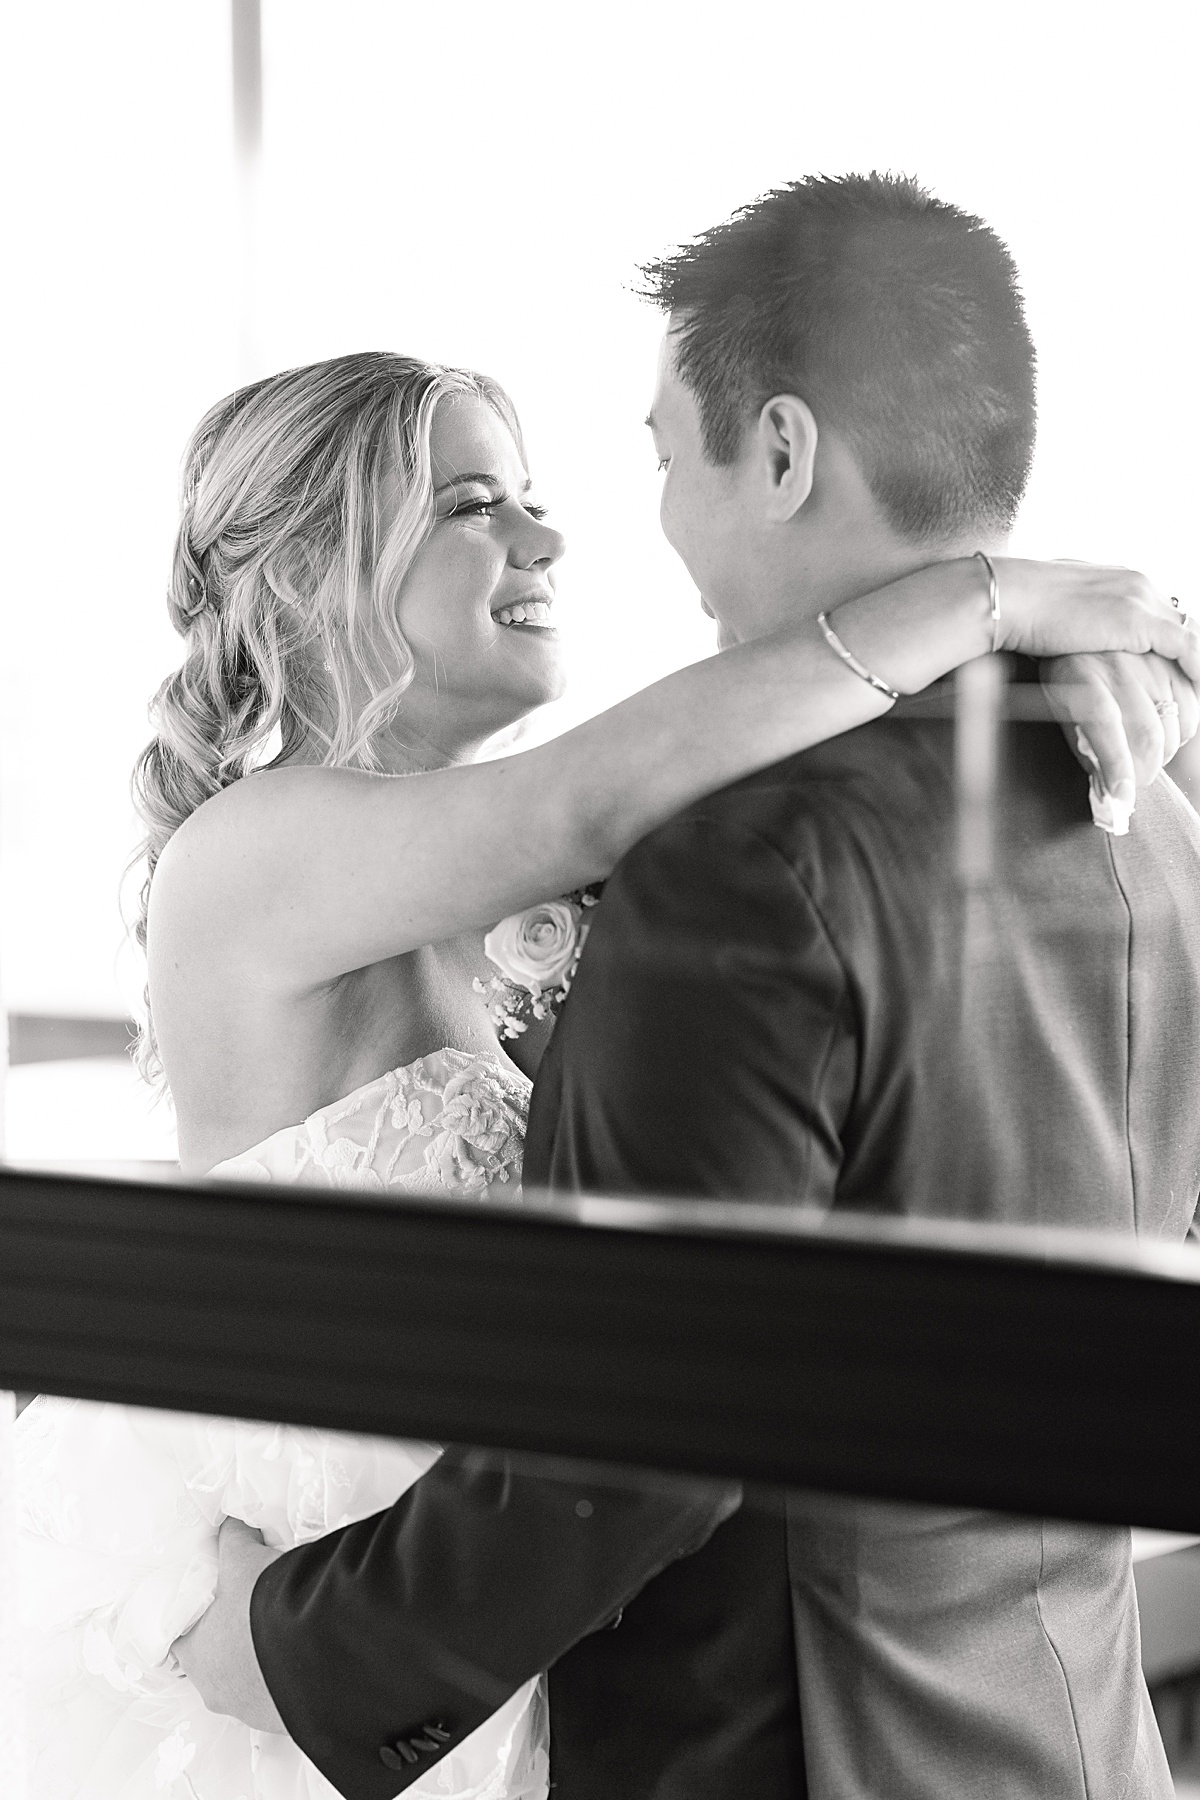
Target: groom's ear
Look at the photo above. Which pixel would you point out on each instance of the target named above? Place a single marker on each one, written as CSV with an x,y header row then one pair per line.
x,y
787,448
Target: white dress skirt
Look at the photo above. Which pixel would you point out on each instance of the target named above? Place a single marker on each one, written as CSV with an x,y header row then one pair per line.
x,y
120,1506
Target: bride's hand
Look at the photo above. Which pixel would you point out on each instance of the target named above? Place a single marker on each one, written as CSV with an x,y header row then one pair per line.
x,y
1052,609
1123,704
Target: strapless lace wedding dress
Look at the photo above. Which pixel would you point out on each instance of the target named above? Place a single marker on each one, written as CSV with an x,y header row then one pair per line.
x,y
120,1506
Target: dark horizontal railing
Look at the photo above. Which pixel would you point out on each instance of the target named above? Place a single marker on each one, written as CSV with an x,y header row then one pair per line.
x,y
1050,1374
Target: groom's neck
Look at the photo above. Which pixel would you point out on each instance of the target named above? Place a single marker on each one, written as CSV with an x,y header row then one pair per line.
x,y
823,576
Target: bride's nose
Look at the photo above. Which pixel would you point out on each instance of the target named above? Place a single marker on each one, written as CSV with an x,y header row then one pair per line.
x,y
537,545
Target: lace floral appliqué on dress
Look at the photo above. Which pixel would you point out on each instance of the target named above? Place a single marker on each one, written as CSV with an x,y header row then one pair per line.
x,y
450,1124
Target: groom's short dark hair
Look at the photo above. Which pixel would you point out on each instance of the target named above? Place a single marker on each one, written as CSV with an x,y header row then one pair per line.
x,y
896,316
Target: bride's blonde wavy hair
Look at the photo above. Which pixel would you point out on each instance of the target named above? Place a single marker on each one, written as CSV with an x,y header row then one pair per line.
x,y
286,571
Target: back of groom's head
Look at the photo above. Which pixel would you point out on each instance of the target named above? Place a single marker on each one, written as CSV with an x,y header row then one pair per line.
x,y
894,315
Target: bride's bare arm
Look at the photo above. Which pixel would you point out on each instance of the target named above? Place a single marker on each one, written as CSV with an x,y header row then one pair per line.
x,y
302,874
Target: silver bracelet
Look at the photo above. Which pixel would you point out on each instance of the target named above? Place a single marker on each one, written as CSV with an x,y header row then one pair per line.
x,y
993,596
851,661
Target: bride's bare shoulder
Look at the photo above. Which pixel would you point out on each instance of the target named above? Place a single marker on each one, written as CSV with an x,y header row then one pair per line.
x,y
243,826
228,881
225,850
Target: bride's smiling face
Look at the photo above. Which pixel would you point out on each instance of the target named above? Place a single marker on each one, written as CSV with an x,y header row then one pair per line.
x,y
476,603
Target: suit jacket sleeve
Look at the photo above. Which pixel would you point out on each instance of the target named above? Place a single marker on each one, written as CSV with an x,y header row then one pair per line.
x,y
709,1043
435,1611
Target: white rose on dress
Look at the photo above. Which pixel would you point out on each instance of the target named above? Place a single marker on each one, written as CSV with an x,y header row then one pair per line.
x,y
536,948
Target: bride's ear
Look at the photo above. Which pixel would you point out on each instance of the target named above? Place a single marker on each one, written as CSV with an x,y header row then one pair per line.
x,y
787,446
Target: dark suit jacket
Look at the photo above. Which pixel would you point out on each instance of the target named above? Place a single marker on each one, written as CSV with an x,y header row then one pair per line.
x,y
787,994
784,994
436,1611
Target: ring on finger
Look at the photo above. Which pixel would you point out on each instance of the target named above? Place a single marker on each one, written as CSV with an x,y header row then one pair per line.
x,y
1167,709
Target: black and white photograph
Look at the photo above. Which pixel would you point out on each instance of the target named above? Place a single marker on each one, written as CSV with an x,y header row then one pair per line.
x,y
599,902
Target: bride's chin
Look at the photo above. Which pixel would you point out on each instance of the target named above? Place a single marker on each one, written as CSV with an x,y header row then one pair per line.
x,y
556,687
542,685
529,705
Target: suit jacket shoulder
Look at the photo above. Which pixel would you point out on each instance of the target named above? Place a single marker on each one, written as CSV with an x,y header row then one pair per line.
x,y
795,962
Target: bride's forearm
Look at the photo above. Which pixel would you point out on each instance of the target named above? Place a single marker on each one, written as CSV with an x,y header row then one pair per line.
x,y
309,872
707,725
760,701
919,628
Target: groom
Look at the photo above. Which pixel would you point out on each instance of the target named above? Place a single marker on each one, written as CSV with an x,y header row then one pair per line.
x,y
787,994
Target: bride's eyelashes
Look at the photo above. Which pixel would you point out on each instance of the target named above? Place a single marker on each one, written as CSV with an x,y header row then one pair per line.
x,y
486,508
475,509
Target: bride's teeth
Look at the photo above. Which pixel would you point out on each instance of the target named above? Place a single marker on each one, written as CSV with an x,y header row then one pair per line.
x,y
526,612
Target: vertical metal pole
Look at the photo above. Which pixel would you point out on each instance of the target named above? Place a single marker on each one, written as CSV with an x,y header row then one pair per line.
x,y
246,21
979,699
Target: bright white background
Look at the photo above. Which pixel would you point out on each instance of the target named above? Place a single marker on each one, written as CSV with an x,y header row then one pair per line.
x,y
476,183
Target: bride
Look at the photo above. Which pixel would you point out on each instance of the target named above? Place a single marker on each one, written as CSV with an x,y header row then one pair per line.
x,y
363,576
